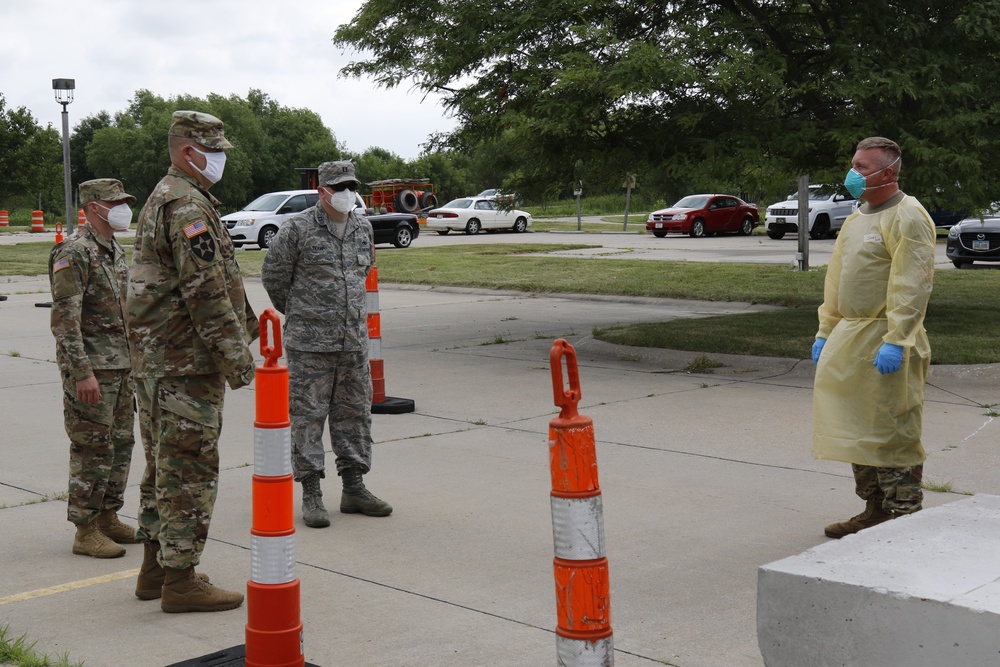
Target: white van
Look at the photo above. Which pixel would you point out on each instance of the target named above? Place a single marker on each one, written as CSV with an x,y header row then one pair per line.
x,y
260,220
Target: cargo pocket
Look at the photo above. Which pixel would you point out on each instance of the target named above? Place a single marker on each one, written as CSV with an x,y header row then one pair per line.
x,y
186,422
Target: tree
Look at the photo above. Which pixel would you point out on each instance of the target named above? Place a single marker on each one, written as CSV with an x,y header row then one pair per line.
x,y
30,161
269,143
725,94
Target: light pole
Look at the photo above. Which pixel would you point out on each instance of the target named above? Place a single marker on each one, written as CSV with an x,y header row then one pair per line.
x,y
64,96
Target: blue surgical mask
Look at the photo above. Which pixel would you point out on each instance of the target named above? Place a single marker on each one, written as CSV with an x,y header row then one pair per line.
x,y
855,181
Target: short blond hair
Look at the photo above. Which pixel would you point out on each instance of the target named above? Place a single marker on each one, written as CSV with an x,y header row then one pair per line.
x,y
890,150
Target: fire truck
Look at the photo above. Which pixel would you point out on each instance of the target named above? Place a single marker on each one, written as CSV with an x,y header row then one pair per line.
x,y
395,195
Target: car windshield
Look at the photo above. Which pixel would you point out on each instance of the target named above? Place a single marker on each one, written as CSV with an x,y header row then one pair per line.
x,y
458,203
693,201
265,203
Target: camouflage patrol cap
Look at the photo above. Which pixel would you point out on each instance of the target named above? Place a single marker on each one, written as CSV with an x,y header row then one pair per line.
x,y
104,189
331,173
201,128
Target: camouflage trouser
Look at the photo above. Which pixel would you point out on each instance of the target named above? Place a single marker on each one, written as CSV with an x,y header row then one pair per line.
x,y
334,386
101,441
180,419
897,488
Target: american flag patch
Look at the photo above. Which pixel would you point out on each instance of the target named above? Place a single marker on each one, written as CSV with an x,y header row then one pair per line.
x,y
195,228
60,265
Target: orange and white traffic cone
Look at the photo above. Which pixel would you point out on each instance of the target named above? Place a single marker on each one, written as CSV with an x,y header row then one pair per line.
x,y
274,636
81,219
583,603
37,222
4,219
59,234
381,404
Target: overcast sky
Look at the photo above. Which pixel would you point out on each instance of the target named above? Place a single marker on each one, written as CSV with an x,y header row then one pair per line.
x,y
113,48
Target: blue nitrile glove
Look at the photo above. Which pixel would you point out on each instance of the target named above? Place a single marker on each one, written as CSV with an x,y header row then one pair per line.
x,y
888,359
817,349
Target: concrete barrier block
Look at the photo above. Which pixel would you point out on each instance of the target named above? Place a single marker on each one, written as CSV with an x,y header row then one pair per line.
x,y
920,590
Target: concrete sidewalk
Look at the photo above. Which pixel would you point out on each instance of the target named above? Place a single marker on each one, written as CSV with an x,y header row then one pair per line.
x,y
704,479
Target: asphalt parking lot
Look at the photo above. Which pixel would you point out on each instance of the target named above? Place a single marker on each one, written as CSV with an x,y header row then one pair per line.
x,y
705,477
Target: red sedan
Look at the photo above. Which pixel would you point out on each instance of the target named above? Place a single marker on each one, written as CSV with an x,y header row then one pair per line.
x,y
704,215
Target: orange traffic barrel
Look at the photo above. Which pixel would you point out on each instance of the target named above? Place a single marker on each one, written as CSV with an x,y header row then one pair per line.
x,y
4,219
274,636
37,221
583,602
381,404
81,219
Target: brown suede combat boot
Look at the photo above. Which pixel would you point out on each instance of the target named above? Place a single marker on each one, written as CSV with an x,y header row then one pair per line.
x,y
872,516
357,498
108,523
149,585
90,541
184,591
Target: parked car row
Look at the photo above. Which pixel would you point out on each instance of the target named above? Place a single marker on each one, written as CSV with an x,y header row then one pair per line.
x,y
259,221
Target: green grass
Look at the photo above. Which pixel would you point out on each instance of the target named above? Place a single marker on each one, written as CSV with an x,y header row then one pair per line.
x,y
963,319
19,651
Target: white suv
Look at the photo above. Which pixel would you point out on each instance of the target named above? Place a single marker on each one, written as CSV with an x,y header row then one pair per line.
x,y
260,220
828,208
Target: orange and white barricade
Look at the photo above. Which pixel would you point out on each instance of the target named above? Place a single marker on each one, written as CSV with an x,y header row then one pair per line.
x,y
274,636
37,222
381,403
583,603
4,219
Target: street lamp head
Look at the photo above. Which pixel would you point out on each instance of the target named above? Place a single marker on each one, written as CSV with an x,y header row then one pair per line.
x,y
64,90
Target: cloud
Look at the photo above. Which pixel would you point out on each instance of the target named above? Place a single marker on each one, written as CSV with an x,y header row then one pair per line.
x,y
113,48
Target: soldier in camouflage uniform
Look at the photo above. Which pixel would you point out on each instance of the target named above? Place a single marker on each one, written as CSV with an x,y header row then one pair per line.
x,y
190,326
315,272
88,275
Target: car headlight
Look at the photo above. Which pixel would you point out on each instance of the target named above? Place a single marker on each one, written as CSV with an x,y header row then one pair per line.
x,y
244,223
678,216
953,233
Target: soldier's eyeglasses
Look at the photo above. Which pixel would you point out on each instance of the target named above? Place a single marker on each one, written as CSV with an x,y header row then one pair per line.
x,y
340,187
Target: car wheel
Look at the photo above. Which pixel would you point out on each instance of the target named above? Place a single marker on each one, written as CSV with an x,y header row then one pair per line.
x,y
443,232
404,237
821,228
659,235
698,228
746,227
520,225
775,235
267,236
472,226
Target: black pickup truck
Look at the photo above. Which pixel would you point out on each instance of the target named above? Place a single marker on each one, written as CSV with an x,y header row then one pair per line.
x,y
398,229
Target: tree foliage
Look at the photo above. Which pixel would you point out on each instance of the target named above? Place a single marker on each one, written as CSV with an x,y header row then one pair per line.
x,y
30,162
741,95
270,142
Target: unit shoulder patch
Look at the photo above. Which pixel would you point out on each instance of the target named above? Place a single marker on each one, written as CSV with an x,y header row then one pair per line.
x,y
202,243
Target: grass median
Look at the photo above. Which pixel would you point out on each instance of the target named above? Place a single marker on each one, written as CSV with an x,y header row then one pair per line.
x,y
963,319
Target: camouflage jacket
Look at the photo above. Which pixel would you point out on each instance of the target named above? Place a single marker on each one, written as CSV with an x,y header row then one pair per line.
x,y
318,281
187,309
88,276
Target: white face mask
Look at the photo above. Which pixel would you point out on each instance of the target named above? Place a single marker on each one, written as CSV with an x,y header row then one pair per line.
x,y
342,201
215,163
119,217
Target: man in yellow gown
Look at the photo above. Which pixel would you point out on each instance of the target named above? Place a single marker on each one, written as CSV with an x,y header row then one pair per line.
x,y
871,351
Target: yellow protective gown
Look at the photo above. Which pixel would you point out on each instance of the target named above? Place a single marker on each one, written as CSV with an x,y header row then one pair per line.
x,y
877,287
